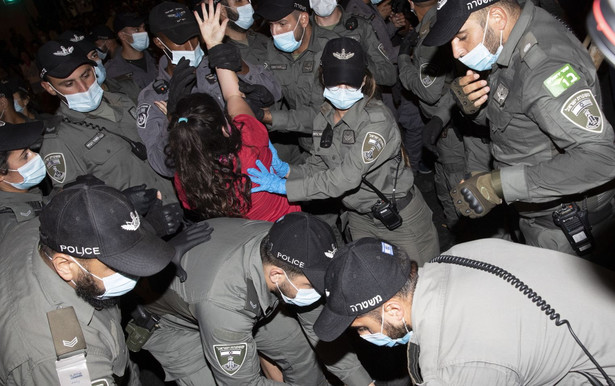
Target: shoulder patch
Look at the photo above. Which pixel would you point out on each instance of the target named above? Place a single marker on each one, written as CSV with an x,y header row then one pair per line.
x,y
427,74
561,80
373,145
230,357
348,137
582,110
142,115
56,166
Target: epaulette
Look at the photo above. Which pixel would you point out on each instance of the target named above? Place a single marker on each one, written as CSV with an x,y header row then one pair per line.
x,y
51,125
530,51
375,113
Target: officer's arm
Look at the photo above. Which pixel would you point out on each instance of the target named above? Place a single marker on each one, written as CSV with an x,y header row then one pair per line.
x,y
369,151
572,118
337,356
294,120
62,165
379,65
426,80
229,346
257,74
152,126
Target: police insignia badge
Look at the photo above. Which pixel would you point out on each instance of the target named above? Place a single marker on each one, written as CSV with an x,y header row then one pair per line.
x,y
308,67
501,93
348,137
373,145
230,357
56,166
582,110
426,73
142,114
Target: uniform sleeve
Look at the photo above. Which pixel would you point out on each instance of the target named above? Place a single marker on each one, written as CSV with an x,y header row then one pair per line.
x,y
294,120
257,74
229,346
426,79
472,374
570,114
337,356
62,165
368,152
152,127
378,63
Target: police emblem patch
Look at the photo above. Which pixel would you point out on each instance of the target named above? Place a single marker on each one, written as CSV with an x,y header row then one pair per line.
x,y
501,93
582,110
373,145
142,115
348,137
230,357
427,74
56,166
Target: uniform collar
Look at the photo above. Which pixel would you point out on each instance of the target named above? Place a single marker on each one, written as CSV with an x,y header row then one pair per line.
x,y
352,118
527,14
57,291
33,194
109,99
268,301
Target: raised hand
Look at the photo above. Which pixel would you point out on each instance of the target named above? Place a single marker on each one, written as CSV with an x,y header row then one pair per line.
x,y
212,30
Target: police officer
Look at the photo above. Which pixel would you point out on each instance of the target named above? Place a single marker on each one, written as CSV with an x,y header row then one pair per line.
x,y
230,306
8,112
357,157
455,313
329,15
122,85
293,57
132,60
95,131
105,42
550,140
427,72
61,281
177,35
21,170
252,44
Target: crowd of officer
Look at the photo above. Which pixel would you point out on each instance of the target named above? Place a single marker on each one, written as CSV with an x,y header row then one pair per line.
x,y
497,98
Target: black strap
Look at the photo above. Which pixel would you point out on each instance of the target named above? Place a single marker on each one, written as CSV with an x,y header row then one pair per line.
x,y
376,190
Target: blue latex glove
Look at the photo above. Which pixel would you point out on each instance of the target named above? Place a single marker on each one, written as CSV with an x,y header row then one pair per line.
x,y
268,181
280,167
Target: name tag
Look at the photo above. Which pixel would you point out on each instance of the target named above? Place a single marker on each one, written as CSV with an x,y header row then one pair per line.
x,y
73,371
94,140
278,66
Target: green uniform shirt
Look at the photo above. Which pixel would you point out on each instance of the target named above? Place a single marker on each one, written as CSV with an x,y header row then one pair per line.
x,y
366,139
28,290
77,147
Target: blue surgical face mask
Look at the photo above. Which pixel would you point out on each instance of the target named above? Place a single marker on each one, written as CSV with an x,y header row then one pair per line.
x,y
379,339
115,284
194,57
286,41
140,41
376,1
102,55
17,106
304,297
480,59
32,172
246,16
86,101
342,98
101,71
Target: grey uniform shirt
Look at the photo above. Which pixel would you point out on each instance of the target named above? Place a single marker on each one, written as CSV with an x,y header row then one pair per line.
x,y
152,124
28,290
474,328
549,136
359,29
77,147
226,295
16,208
118,67
366,139
428,73
384,31
301,87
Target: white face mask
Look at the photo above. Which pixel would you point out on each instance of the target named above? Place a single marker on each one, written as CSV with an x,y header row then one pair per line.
x,y
246,16
286,41
323,8
304,297
194,57
115,284
140,41
86,101
380,339
101,71
32,173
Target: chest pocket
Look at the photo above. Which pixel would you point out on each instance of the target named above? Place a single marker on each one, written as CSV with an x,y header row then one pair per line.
x,y
504,102
104,149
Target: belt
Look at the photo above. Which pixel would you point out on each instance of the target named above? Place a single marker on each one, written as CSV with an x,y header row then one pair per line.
x,y
594,217
403,202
